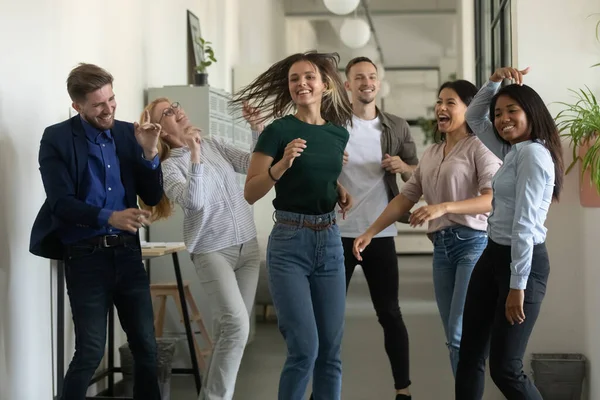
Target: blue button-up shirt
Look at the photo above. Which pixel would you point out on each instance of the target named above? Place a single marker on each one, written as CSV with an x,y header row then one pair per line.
x,y
102,183
523,189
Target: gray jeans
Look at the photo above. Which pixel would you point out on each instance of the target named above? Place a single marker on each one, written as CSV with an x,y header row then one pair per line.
x,y
229,277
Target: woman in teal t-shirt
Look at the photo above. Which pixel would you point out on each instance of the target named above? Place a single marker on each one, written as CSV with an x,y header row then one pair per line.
x,y
301,155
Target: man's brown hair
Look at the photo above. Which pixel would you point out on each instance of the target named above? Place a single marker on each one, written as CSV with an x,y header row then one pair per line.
x,y
357,60
86,78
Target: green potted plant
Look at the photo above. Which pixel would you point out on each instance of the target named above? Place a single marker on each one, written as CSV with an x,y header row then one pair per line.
x,y
201,77
428,126
580,122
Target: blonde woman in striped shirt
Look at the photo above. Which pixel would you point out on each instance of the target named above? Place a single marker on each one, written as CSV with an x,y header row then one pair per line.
x,y
218,229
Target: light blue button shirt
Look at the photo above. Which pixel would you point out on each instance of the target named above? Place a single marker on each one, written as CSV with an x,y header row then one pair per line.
x,y
522,189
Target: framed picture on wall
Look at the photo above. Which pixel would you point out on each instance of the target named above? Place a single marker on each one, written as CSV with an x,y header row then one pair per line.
x,y
195,53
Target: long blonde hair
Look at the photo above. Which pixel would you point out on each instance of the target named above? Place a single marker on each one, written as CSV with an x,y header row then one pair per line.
x,y
164,209
270,91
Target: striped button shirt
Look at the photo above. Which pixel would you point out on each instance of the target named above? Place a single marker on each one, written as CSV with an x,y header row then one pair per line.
x,y
216,215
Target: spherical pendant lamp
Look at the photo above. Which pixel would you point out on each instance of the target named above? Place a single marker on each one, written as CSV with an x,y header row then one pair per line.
x,y
341,7
355,33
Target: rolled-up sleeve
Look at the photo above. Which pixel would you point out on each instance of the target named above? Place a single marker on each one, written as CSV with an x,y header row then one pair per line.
x,y
487,164
412,189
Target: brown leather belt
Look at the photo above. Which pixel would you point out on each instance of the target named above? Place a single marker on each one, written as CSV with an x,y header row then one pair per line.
x,y
304,224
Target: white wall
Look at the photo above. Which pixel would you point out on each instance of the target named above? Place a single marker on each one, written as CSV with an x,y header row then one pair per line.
x,y
25,356
466,36
300,36
569,321
142,44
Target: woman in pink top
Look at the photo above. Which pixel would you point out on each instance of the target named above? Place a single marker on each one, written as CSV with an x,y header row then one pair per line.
x,y
455,177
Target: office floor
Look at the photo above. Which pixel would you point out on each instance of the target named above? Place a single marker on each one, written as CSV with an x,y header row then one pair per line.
x,y
367,374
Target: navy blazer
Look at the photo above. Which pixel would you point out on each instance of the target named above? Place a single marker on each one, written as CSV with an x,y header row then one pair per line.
x,y
63,161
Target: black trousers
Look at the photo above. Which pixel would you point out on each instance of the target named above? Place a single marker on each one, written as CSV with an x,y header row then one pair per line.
x,y
96,279
380,265
487,331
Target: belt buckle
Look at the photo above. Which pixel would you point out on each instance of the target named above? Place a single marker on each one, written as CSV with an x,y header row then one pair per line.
x,y
105,243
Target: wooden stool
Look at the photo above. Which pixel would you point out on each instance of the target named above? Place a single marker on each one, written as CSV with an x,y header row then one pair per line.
x,y
164,290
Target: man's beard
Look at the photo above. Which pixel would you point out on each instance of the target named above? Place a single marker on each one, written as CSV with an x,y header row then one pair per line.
x,y
95,124
366,101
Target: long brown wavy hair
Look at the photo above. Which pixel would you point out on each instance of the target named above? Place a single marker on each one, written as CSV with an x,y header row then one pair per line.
x,y
271,95
164,209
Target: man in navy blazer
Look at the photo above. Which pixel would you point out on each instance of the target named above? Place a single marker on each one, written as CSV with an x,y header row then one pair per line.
x,y
93,168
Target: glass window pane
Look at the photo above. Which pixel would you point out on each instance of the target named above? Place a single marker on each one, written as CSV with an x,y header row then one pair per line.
x,y
496,47
495,7
493,44
486,18
507,36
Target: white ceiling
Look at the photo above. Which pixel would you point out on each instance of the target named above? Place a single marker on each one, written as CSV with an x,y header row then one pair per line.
x,y
411,33
295,8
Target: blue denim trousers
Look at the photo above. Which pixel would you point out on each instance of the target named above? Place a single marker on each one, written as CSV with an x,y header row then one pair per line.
x,y
455,252
308,285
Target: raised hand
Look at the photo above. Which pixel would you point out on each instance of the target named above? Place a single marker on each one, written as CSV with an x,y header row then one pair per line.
x,y
509,73
394,164
345,158
292,150
252,116
147,135
192,138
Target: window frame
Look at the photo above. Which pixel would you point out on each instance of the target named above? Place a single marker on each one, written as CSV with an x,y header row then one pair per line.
x,y
493,37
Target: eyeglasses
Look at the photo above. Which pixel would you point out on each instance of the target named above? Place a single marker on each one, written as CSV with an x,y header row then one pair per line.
x,y
170,111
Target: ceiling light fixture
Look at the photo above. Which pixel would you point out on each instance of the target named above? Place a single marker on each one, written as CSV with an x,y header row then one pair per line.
x,y
355,33
341,7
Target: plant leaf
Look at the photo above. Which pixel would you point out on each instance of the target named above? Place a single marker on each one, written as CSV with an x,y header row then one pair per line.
x,y
574,163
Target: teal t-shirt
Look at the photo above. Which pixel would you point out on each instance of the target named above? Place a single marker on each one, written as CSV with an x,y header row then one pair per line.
x,y
310,186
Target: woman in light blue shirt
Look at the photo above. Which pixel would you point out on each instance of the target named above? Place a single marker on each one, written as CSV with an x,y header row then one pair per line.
x,y
509,281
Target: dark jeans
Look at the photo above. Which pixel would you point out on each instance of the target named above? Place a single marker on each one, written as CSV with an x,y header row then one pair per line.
x,y
96,279
380,265
487,331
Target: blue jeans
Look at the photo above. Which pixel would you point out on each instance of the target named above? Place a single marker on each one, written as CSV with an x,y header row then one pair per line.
x,y
455,252
308,285
96,279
